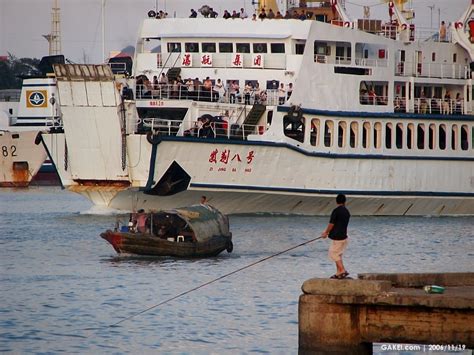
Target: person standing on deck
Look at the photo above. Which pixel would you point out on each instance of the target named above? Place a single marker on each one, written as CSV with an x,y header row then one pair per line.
x,y
442,32
337,231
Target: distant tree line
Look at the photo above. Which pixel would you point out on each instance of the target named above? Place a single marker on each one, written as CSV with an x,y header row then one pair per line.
x,y
13,70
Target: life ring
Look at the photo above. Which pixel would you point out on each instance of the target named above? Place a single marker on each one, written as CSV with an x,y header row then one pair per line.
x,y
191,47
153,139
458,25
259,48
151,13
229,247
347,24
404,27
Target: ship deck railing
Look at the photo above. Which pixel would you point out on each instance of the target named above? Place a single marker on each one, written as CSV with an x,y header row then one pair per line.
x,y
433,70
173,92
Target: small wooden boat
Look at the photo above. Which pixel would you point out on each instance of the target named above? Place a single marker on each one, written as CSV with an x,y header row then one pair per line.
x,y
195,231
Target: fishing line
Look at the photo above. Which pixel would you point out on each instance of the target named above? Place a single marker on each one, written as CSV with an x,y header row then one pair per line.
x,y
212,281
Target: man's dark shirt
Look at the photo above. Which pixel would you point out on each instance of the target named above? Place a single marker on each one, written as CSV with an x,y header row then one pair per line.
x,y
340,218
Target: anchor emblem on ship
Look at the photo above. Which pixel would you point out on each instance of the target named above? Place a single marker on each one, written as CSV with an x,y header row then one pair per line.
x,y
36,99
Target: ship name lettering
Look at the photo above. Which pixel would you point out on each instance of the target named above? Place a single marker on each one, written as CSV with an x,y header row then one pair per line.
x,y
9,152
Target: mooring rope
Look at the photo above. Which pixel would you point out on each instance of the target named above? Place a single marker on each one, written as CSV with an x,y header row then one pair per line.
x,y
212,281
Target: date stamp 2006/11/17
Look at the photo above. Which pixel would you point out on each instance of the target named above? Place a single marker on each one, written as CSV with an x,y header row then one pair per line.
x,y
423,348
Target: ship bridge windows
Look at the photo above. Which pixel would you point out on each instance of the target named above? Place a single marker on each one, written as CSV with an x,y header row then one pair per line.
x,y
174,47
191,47
208,47
277,47
242,47
259,47
225,47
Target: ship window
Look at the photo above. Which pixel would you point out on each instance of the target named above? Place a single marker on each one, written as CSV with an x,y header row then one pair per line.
x,y
314,139
174,47
464,135
226,48
388,135
410,134
366,135
341,135
299,48
433,57
455,57
260,48
339,52
442,137
208,47
321,48
373,93
277,47
354,134
432,136
377,135
328,133
454,137
191,47
272,84
399,136
243,47
420,135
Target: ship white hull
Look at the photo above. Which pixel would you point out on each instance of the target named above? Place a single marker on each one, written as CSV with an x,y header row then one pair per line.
x,y
20,158
281,179
242,202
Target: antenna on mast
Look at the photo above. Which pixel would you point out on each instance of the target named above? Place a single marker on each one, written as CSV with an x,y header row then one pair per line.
x,y
54,38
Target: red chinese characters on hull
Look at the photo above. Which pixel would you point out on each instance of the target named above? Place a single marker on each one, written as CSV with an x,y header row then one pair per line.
x,y
222,158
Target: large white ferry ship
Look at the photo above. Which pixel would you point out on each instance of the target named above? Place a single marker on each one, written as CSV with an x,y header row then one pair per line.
x,y
309,108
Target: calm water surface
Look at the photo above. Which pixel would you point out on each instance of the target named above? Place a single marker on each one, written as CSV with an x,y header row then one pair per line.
x,y
62,286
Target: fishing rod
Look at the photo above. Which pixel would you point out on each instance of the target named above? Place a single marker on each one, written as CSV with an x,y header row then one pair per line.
x,y
212,281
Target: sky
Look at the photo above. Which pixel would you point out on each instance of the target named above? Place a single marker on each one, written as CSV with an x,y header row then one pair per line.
x,y
23,22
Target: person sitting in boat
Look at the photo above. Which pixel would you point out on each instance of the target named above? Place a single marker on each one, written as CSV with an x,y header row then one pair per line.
x,y
141,221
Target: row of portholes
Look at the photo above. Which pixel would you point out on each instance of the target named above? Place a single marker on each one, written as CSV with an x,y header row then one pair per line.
x,y
398,135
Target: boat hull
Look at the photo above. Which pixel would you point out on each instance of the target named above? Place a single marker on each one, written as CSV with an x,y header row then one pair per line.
x,y
142,244
20,158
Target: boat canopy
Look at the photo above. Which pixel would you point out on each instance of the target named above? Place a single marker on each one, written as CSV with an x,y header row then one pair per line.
x,y
203,220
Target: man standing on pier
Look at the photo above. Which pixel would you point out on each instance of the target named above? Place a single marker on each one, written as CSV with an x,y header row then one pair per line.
x,y
337,231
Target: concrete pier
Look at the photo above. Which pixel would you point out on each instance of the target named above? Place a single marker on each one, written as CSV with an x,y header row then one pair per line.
x,y
347,316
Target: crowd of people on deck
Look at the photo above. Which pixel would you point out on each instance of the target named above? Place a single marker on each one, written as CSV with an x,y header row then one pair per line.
x,y
209,12
210,90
